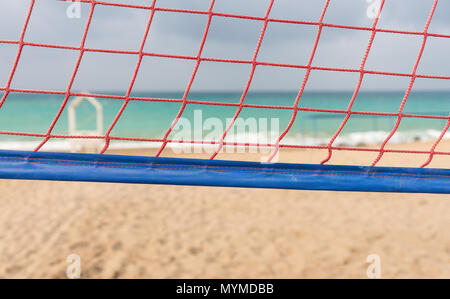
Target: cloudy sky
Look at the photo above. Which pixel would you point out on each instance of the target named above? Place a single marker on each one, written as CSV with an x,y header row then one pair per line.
x,y
176,33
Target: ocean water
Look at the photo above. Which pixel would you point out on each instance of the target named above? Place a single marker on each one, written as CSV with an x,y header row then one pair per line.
x,y
33,113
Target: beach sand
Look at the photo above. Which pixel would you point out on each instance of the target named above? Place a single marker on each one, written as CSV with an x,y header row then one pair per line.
x,y
129,231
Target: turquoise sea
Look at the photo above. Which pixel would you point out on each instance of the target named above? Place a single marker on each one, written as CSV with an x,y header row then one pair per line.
x,y
33,113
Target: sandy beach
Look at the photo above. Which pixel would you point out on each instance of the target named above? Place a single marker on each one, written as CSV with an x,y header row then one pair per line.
x,y
129,231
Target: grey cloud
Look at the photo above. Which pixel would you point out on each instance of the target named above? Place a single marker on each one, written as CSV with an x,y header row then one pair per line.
x,y
180,34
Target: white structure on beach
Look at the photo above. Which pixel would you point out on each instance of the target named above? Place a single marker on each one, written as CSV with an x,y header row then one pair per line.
x,y
85,144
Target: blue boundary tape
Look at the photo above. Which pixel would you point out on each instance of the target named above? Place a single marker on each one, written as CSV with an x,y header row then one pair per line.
x,y
176,171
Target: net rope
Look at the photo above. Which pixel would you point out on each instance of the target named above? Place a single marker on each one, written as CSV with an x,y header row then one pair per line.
x,y
254,62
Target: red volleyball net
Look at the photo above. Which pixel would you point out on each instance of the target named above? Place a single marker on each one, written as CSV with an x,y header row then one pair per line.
x,y
336,120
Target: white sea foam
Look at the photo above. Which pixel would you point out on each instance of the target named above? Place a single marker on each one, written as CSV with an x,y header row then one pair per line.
x,y
367,138
348,140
